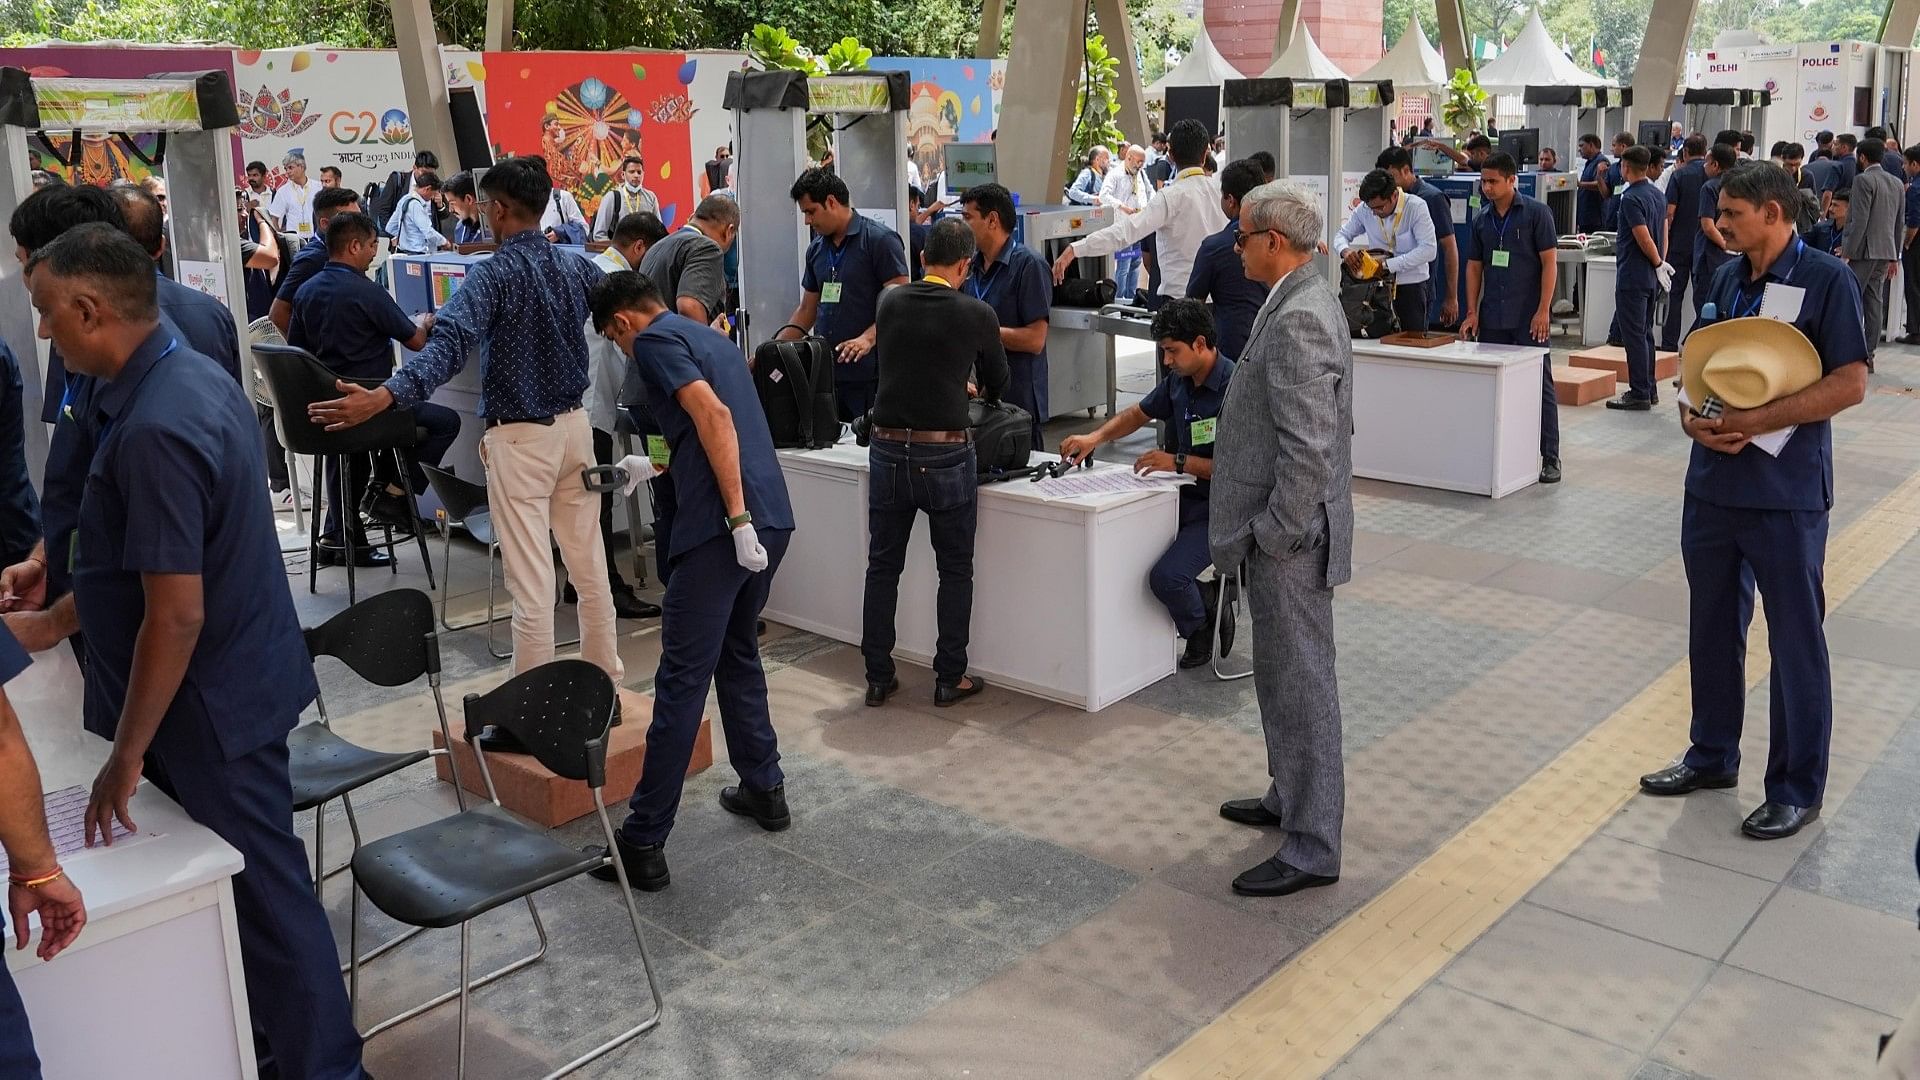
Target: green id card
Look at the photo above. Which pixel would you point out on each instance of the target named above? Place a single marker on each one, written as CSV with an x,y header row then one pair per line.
x,y
657,452
1200,432
1620,189
1502,258
1473,202
829,292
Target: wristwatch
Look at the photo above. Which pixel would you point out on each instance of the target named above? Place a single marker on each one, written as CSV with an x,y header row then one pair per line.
x,y
742,518
1180,463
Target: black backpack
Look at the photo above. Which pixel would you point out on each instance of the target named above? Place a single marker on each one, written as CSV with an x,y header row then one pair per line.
x,y
794,380
1368,304
1002,436
382,200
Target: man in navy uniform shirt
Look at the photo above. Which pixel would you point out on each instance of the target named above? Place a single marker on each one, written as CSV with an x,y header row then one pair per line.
x,y
1710,248
1593,184
1188,402
850,260
204,323
1617,181
196,669
1218,275
1018,285
1909,252
1643,272
19,506
350,324
312,255
1752,518
1511,268
1683,232
730,532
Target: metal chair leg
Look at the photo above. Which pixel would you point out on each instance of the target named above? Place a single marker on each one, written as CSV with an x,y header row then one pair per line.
x,y
466,944
646,963
313,527
293,486
1219,620
501,973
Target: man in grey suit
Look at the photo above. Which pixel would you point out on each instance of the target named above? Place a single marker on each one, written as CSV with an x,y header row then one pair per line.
x,y
1875,226
1283,506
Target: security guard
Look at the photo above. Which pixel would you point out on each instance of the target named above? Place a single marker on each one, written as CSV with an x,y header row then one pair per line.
x,y
1511,268
1018,286
1593,184
851,259
1188,402
731,530
1643,274
1753,518
176,562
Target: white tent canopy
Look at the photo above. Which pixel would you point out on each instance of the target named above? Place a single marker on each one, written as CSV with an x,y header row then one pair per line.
x,y
1411,65
1202,66
1303,60
1534,60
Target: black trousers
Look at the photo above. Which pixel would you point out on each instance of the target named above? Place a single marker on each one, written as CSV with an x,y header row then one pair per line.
x,y
603,453
1910,288
939,480
1676,306
1410,305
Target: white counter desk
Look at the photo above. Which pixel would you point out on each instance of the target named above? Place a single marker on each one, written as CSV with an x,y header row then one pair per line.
x,y
153,986
1061,607
1461,416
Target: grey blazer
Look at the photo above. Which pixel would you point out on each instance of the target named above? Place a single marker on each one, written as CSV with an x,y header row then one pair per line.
x,y
1876,220
1283,454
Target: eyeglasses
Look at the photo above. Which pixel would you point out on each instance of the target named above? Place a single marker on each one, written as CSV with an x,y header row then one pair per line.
x,y
1240,238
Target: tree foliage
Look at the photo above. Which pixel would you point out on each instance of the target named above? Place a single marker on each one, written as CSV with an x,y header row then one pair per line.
x,y
1098,104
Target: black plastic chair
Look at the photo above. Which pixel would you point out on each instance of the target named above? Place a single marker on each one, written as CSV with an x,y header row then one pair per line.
x,y
463,503
295,379
454,870
261,331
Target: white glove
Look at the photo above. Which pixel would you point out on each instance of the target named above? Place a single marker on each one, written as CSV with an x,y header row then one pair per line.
x,y
637,467
747,550
1664,272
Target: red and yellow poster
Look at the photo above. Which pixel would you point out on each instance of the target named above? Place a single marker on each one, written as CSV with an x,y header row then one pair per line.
x,y
586,111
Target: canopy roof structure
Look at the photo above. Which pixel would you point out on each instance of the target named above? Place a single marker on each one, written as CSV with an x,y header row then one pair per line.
x,y
1534,60
1303,60
1202,66
1412,65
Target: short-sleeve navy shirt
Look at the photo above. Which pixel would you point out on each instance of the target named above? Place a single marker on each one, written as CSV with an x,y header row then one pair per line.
x,y
350,323
1018,287
1179,403
1801,478
1913,204
869,256
1642,204
178,485
308,261
1683,195
1510,295
1440,208
1592,204
673,353
19,507
1220,277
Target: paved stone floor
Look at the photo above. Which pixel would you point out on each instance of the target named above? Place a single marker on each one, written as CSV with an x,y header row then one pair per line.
x,y
1016,889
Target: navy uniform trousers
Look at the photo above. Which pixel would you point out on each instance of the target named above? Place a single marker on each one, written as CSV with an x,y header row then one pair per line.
x,y
1175,578
709,636
303,1029
17,1058
1727,552
1549,401
1634,309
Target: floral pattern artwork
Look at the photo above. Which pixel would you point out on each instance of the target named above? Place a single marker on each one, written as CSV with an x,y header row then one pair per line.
x,y
281,116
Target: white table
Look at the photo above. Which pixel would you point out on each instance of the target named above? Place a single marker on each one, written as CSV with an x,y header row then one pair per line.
x,y
1597,288
1061,607
153,986
1461,416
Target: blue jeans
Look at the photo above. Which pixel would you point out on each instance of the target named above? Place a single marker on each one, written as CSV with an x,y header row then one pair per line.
x,y
940,480
1126,273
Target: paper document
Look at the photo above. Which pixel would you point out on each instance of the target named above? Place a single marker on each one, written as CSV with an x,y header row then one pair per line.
x,y
1106,482
1772,442
66,823
1782,302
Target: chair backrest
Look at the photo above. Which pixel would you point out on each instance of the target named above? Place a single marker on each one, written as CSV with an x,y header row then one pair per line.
x,y
460,498
387,639
295,379
559,711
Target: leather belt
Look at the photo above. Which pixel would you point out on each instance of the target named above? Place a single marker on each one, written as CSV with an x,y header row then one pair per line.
x,y
911,435
543,421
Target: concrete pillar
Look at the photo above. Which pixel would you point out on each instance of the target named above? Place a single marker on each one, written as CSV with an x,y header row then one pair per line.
x,y
1454,50
424,80
992,14
1284,28
1132,94
1036,109
499,33
1903,18
1662,58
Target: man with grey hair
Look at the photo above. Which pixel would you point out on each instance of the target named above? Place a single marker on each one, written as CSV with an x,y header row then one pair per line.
x,y
1282,512
292,206
1127,191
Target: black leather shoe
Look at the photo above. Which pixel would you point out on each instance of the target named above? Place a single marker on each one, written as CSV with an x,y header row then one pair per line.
x,y
1249,812
1199,648
384,507
628,606
1908,339
498,740
878,693
1776,821
1630,403
769,808
944,695
1276,878
646,866
1680,778
1550,470
364,558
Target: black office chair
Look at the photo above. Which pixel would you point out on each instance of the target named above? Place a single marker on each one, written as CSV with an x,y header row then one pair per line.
x,y
463,503
388,640
297,379
458,868
261,331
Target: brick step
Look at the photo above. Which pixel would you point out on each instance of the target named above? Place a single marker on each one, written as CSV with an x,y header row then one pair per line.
x,y
1613,358
1581,386
528,789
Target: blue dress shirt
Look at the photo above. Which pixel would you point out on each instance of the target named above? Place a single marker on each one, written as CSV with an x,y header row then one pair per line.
x,y
1219,276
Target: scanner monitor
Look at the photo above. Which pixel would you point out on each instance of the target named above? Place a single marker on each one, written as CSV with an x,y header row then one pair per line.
x,y
1523,144
970,165
1428,162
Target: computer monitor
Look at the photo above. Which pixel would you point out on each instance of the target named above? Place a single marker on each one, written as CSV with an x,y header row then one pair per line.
x,y
1656,133
970,165
1523,144
1429,162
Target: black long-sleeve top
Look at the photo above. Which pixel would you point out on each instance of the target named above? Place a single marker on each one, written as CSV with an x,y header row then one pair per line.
x,y
932,339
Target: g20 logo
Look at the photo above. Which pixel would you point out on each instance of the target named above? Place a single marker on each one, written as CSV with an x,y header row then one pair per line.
x,y
366,129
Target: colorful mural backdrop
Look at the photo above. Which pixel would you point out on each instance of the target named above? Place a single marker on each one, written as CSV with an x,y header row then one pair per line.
x,y
105,158
586,111
952,101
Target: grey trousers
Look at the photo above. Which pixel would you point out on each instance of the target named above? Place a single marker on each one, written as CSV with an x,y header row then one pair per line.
x,y
1872,276
1299,695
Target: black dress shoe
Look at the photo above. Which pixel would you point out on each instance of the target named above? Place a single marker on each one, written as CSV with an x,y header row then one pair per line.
x,y
646,866
1249,812
878,693
1630,402
1680,778
628,606
498,740
385,507
364,558
1199,648
944,695
1908,339
769,808
1276,878
1550,470
1776,821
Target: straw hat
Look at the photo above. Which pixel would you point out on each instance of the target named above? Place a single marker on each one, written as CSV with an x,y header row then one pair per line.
x,y
1747,362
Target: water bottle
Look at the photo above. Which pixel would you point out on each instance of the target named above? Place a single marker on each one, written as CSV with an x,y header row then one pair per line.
x,y
1709,312
1019,221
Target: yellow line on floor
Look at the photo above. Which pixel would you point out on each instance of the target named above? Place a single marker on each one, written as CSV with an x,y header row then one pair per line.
x,y
1316,1009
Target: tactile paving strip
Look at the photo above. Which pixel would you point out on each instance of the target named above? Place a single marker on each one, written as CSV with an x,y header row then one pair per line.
x,y
1308,1015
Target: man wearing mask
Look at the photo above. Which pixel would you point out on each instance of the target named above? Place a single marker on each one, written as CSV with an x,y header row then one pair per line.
x,y
630,197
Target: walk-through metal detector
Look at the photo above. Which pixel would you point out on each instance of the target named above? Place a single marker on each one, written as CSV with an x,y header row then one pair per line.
x,y
1616,111
191,112
867,115
1299,122
1711,110
1364,130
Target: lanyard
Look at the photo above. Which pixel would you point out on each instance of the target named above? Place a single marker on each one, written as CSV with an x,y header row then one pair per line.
x,y
1742,309
1391,229
1501,221
937,280
66,394
834,255
980,283
1184,173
